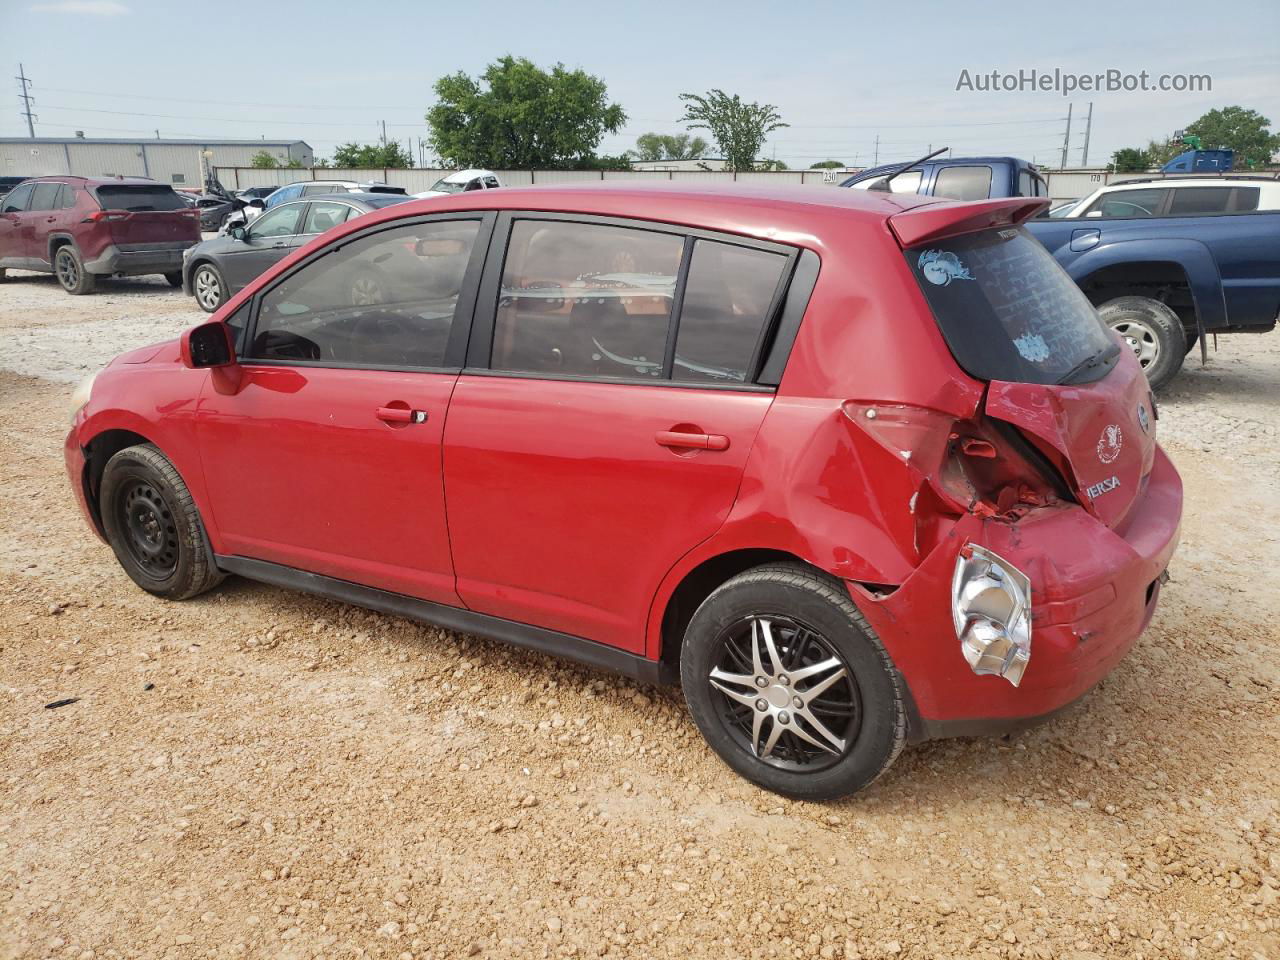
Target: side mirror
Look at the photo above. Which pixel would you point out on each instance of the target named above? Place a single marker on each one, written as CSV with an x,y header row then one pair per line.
x,y
208,345
258,203
238,232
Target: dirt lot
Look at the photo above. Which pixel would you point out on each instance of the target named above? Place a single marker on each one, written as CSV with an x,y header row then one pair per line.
x,y
258,773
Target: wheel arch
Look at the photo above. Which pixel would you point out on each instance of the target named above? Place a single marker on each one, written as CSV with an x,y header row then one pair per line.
x,y
57,240
97,452
1117,269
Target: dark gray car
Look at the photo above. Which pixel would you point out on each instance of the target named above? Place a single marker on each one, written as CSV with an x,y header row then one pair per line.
x,y
219,267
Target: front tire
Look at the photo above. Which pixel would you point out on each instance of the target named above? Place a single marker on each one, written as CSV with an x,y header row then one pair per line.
x,y
1152,331
153,526
789,684
71,272
209,288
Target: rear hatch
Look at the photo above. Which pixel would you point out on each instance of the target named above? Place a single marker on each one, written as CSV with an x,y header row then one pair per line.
x,y
1014,319
142,215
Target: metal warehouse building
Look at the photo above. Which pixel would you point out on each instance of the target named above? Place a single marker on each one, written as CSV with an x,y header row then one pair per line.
x,y
176,162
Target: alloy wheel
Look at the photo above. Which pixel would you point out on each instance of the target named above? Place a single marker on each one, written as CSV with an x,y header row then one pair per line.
x,y
150,532
786,693
68,271
1141,339
208,289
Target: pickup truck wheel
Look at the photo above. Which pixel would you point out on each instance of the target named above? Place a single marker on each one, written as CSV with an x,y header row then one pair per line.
x,y
790,685
153,526
174,278
71,272
1152,331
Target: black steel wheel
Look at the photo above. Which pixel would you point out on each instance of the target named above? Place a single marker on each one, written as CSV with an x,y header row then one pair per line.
x,y
153,526
790,685
150,529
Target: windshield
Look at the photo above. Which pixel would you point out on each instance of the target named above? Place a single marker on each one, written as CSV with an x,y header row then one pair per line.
x,y
139,198
1008,311
444,186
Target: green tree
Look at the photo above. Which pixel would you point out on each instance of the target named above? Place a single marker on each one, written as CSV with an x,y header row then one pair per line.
x,y
664,146
358,155
739,129
1247,132
1130,160
828,165
262,160
1160,152
518,115
771,165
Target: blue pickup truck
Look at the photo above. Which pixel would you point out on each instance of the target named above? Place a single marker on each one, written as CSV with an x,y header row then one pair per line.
x,y
1163,283
958,178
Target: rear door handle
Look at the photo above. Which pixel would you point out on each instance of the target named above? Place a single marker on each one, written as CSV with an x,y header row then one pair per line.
x,y
692,441
401,415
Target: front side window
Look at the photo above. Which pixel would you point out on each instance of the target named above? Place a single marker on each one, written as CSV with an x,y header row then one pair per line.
x,y
383,300
15,200
726,306
280,222
1129,203
586,300
963,183
324,214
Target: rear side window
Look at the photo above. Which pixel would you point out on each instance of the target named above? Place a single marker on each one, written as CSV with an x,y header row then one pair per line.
x,y
728,300
67,197
138,198
1007,310
323,214
383,300
908,182
963,183
1244,199
45,196
585,299
1193,201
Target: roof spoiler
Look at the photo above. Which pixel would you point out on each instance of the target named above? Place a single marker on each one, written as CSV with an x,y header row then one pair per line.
x,y
937,220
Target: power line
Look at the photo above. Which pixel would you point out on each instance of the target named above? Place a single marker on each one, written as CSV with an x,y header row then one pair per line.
x,y
176,116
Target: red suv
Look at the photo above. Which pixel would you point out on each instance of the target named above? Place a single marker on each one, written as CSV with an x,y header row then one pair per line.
x,y
857,468
80,229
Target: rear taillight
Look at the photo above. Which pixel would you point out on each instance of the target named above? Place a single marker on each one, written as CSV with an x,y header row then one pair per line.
x,y
959,465
110,216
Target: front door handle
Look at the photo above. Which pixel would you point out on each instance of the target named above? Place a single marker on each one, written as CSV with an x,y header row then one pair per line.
x,y
401,415
691,441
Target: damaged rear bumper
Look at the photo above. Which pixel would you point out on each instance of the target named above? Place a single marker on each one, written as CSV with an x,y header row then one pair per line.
x,y
1094,590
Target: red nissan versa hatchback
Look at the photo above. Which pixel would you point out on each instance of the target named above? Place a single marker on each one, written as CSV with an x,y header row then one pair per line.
x,y
858,468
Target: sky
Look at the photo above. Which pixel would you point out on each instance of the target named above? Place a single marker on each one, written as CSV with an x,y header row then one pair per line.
x,y
841,74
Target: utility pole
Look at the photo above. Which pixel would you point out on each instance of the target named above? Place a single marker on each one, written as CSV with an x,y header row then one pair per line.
x,y
384,133
876,162
25,97
1088,128
1066,140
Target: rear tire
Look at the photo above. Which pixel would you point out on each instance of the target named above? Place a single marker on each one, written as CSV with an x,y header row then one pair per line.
x,y
758,712
1152,331
71,273
174,277
153,526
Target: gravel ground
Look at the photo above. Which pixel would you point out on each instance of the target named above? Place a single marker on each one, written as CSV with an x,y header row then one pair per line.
x,y
259,773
